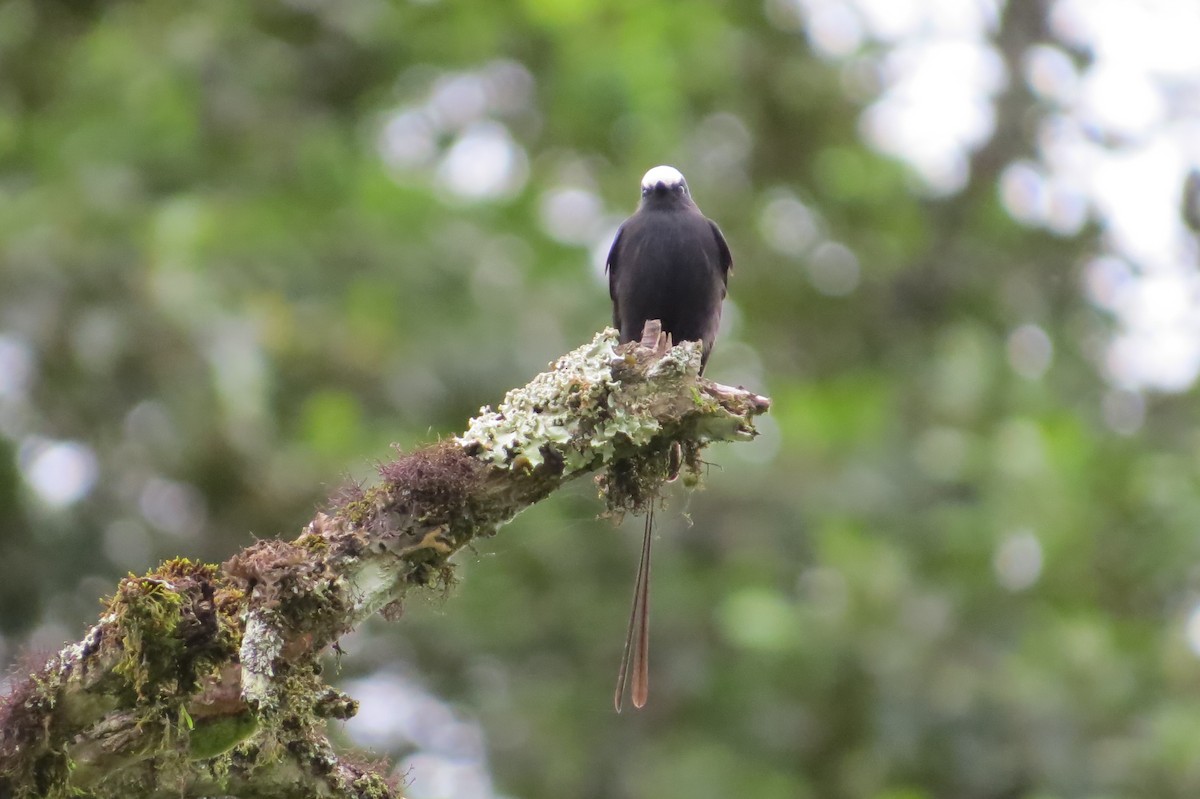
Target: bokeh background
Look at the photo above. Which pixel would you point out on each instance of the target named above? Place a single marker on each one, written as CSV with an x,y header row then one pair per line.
x,y
246,246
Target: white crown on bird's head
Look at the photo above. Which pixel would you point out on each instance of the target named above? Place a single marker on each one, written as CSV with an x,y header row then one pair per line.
x,y
667,176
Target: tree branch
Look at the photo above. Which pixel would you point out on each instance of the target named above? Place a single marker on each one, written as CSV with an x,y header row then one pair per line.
x,y
201,680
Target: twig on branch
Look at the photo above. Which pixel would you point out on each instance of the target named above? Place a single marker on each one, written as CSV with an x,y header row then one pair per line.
x,y
201,680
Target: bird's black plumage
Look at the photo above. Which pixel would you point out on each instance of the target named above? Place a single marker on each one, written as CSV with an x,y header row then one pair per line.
x,y
669,262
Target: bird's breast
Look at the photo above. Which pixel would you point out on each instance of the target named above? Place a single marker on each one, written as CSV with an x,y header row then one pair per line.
x,y
669,269
674,244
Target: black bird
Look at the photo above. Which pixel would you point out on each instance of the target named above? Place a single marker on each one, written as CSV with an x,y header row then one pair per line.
x,y
668,262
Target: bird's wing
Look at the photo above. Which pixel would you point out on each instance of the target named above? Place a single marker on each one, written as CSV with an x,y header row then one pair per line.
x,y
723,251
610,266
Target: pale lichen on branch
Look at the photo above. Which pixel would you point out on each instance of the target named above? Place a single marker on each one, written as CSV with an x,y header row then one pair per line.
x,y
202,680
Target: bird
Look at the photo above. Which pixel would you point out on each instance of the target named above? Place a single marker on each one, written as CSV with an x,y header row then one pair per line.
x,y
671,263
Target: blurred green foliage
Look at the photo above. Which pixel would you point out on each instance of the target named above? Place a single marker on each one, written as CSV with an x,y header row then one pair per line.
x,y
246,245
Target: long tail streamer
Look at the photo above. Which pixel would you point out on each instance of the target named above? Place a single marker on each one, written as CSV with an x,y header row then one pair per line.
x,y
637,639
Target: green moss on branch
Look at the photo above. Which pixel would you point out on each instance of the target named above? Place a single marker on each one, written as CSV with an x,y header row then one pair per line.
x,y
203,680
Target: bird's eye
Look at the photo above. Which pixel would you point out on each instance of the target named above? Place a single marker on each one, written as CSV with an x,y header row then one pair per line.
x,y
678,187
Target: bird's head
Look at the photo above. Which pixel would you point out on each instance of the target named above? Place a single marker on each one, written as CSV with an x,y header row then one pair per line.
x,y
664,185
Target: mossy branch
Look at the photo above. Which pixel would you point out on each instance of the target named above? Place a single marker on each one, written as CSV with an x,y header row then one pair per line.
x,y
201,680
